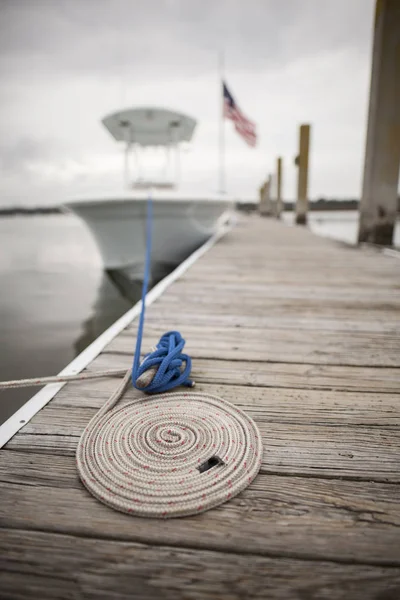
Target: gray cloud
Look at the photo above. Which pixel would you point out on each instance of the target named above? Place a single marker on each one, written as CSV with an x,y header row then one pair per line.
x,y
16,155
61,62
104,36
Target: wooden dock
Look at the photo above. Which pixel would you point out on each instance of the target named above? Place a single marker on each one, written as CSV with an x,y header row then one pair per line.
x,y
304,334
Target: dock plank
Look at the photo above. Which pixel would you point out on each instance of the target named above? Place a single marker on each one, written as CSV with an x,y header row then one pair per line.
x,y
283,375
322,433
238,343
342,521
360,322
282,405
52,563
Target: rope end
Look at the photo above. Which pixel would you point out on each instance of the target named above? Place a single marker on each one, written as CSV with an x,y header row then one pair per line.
x,y
165,368
146,378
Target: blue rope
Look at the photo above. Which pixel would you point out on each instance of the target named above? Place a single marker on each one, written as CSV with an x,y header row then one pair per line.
x,y
168,357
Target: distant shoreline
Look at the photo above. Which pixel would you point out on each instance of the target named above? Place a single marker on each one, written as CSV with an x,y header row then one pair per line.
x,y
321,204
25,211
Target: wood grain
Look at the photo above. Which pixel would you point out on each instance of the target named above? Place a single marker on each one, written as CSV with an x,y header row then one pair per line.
x,y
282,375
343,521
56,566
360,322
363,452
285,346
281,405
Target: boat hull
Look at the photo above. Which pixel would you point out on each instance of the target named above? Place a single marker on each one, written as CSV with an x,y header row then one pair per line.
x,y
179,227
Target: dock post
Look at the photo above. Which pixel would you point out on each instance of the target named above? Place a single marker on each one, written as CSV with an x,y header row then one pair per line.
x,y
302,180
378,206
265,198
279,202
261,196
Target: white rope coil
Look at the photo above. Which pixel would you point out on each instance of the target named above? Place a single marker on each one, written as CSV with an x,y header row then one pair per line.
x,y
169,455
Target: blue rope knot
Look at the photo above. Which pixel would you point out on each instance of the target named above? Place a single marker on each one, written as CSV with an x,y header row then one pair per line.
x,y
166,367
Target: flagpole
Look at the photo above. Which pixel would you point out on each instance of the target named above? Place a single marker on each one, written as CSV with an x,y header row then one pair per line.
x,y
222,181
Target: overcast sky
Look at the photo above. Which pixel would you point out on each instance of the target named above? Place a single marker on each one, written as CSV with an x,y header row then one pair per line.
x,y
64,64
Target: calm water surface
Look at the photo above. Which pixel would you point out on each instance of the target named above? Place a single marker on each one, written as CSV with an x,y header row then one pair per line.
x,y
55,298
340,225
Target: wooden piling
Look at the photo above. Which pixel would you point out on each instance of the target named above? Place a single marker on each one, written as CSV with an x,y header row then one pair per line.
x,y
378,207
265,198
279,202
302,181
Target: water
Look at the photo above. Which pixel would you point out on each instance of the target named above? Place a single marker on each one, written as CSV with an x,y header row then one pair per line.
x,y
55,298
340,225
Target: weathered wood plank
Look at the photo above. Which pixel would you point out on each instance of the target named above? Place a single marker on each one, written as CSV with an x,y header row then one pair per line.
x,y
29,468
300,273
330,455
321,260
357,349
265,374
385,323
304,250
344,521
277,291
361,452
269,306
302,310
281,405
55,567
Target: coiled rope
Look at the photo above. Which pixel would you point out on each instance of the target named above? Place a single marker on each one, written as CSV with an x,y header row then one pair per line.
x,y
168,455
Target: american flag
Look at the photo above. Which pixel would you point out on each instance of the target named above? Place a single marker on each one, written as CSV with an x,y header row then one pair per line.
x,y
243,126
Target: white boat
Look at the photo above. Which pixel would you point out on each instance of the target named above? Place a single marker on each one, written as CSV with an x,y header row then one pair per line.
x,y
181,222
